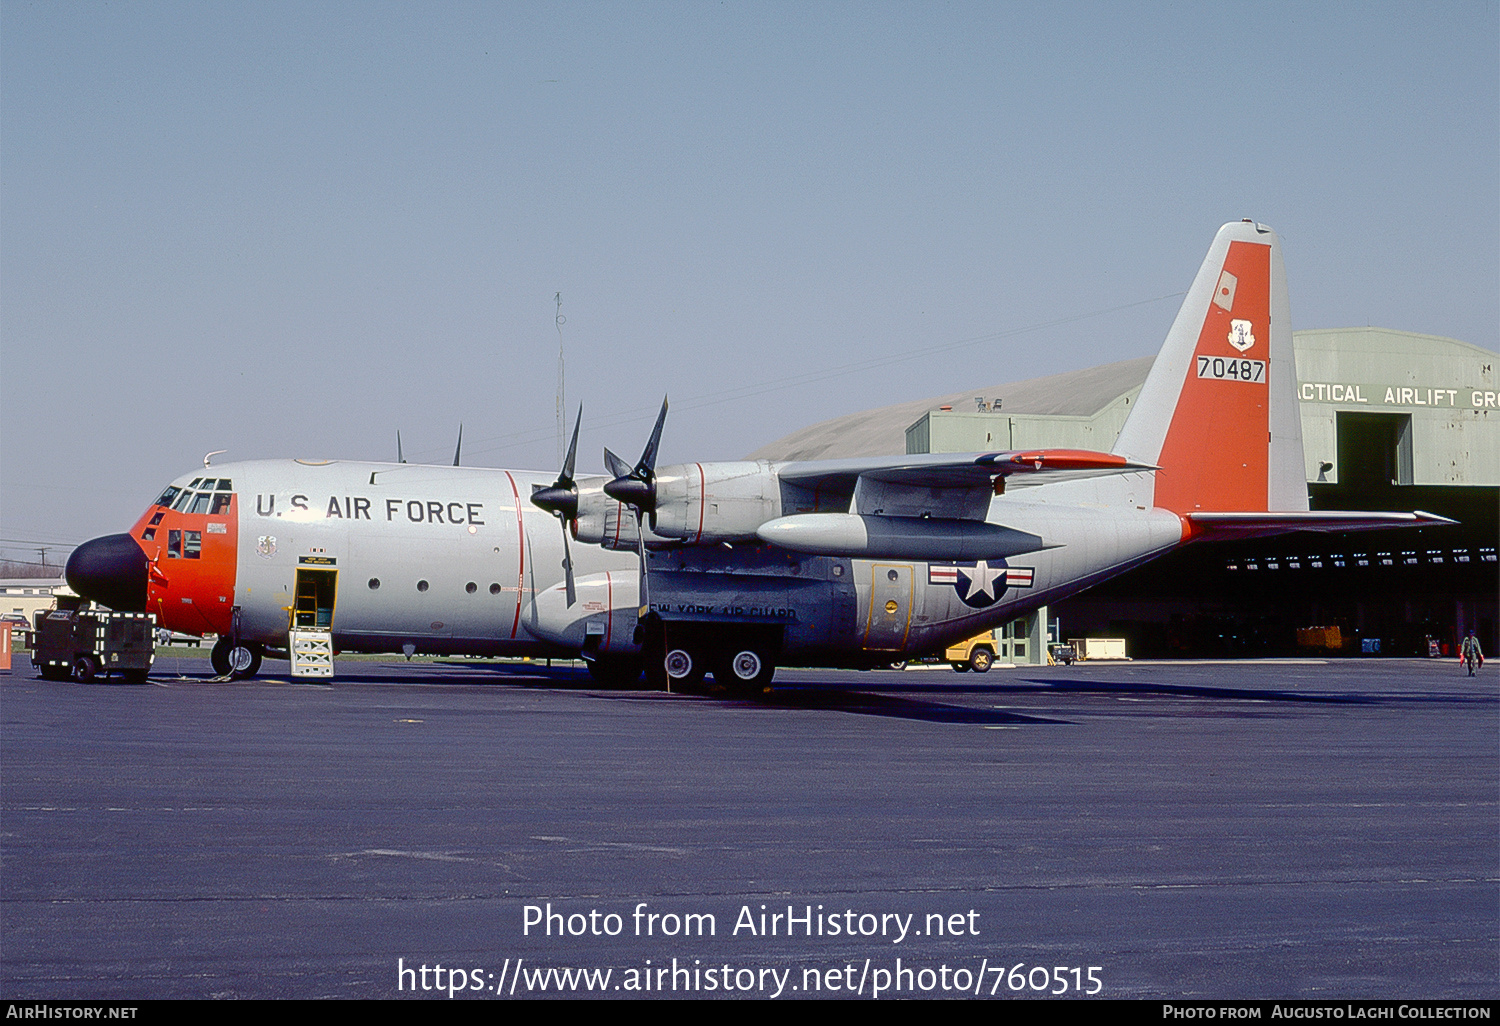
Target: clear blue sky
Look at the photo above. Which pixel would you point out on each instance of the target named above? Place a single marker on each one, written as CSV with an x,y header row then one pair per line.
x,y
293,229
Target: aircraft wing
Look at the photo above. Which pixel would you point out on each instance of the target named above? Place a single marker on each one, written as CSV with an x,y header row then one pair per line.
x,y
951,485
950,470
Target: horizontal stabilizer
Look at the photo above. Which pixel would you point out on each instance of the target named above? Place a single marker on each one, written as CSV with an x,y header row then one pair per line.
x,y
1216,526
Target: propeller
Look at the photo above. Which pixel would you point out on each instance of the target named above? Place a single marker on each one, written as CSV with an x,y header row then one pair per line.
x,y
399,458
459,447
636,487
561,500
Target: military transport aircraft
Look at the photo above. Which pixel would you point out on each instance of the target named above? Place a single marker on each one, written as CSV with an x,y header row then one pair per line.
x,y
732,568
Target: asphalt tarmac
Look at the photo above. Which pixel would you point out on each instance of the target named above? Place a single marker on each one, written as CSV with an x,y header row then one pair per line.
x,y
1188,830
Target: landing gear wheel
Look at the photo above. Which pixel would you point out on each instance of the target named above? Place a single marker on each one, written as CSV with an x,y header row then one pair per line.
x,y
747,671
981,659
238,662
683,670
615,671
83,669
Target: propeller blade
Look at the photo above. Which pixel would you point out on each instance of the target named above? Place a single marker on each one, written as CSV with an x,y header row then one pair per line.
x,y
567,469
399,457
459,447
561,497
616,466
637,487
561,500
648,457
640,550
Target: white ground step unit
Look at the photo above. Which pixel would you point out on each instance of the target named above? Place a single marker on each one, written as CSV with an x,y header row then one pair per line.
x,y
312,653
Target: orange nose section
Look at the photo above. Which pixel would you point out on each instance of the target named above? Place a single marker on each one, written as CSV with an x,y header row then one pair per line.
x,y
190,567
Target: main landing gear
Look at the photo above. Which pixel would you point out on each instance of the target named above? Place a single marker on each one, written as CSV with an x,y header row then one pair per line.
x,y
742,660
236,661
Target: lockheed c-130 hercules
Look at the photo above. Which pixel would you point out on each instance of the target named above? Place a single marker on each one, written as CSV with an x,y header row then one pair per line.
x,y
733,568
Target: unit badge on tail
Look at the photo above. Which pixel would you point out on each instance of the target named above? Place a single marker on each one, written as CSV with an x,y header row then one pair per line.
x,y
1239,335
979,584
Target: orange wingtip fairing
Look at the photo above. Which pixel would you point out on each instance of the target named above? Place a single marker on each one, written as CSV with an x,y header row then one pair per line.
x,y
1066,459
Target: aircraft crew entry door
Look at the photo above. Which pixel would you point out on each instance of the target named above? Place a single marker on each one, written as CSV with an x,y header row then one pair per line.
x,y
313,608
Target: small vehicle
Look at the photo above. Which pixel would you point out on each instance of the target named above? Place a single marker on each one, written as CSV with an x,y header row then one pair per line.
x,y
1065,654
82,644
976,653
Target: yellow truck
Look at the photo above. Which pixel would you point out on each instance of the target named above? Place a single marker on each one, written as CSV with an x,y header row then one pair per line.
x,y
976,653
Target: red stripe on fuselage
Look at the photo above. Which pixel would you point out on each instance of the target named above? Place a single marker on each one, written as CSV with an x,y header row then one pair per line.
x,y
702,501
520,554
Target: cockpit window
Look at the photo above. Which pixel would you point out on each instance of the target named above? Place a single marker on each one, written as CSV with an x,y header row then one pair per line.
x,y
221,503
168,496
196,481
182,501
200,502
224,485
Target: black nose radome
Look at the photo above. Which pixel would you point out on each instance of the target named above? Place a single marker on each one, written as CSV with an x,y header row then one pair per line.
x,y
110,571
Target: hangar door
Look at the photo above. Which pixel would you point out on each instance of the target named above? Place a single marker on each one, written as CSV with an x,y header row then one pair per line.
x,y
1374,449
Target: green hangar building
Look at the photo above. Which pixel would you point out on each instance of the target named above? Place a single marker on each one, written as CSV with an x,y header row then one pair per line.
x,y
1391,420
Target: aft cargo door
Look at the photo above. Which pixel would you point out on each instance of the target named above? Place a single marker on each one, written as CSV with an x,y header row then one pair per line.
x,y
889,616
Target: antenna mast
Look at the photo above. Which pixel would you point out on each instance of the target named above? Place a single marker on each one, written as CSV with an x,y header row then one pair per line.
x,y
561,405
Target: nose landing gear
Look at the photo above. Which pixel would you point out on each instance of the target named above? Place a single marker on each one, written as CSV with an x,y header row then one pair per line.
x,y
236,661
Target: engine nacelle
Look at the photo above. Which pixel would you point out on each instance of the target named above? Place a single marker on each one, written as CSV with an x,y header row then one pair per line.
x,y
708,503
603,521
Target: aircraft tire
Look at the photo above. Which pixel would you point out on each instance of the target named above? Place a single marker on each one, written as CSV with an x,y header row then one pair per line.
x,y
221,657
83,669
257,654
685,669
747,670
981,659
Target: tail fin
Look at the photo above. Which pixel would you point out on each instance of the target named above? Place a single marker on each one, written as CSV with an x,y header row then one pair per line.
x,y
1218,412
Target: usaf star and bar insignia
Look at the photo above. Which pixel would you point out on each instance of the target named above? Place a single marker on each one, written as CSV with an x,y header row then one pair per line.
x,y
979,584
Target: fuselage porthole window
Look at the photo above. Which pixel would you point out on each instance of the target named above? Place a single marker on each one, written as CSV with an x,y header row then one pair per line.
x,y
374,583
471,587
421,585
494,589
